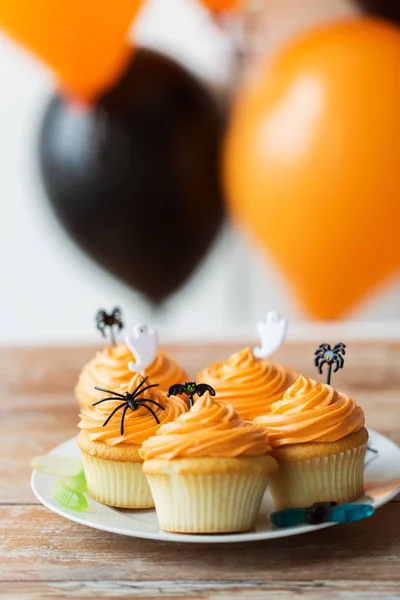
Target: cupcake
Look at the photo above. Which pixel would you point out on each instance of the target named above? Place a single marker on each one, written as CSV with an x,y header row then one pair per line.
x,y
208,470
248,383
109,369
111,436
319,440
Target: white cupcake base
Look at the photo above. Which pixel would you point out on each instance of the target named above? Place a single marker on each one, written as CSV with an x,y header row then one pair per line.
x,y
213,503
333,478
118,484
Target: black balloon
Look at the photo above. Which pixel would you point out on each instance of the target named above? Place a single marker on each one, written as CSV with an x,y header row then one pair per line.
x,y
388,9
135,180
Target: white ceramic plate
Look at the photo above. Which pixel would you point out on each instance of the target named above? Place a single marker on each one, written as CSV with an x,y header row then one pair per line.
x,y
382,483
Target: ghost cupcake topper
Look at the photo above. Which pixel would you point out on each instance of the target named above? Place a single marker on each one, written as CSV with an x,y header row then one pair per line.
x,y
143,343
272,332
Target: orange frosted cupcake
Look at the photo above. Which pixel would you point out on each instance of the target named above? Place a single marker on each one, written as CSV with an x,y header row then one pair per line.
x,y
109,369
208,470
319,440
250,384
111,438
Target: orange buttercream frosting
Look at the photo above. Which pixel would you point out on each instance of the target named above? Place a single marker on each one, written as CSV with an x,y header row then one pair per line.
x,y
248,383
138,425
210,429
109,369
311,412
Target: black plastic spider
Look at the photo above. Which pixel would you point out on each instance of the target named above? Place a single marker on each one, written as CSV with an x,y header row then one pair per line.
x,y
105,320
325,355
131,400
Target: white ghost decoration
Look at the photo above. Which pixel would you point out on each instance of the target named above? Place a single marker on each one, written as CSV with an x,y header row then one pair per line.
x,y
272,332
143,343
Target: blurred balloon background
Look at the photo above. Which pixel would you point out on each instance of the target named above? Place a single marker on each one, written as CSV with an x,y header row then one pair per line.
x,y
146,125
86,43
220,5
389,9
138,175
312,162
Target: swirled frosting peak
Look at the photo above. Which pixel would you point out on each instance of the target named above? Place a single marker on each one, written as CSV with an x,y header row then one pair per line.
x,y
209,429
248,383
311,412
109,369
138,425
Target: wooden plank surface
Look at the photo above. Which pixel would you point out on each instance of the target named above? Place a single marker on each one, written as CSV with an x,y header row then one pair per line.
x,y
61,550
45,556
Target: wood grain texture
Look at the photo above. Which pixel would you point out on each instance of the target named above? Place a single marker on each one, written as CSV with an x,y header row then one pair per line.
x,y
223,590
45,556
373,366
37,544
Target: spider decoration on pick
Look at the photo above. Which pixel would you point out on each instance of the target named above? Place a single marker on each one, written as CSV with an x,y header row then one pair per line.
x,y
190,388
333,357
109,321
132,400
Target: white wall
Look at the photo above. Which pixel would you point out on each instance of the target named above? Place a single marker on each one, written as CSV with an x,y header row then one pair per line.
x,y
50,291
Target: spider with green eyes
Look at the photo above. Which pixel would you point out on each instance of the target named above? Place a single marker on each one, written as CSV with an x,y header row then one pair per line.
x,y
190,388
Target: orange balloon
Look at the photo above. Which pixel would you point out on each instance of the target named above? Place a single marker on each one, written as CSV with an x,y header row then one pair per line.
x,y
220,5
313,162
84,41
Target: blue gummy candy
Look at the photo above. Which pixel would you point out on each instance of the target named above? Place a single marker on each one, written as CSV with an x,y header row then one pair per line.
x,y
344,513
347,513
288,517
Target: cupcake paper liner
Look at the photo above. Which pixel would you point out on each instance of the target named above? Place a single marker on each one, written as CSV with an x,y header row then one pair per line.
x,y
119,484
212,503
336,477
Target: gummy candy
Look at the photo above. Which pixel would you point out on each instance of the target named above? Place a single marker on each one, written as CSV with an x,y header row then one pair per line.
x,y
347,513
68,497
57,465
77,483
321,512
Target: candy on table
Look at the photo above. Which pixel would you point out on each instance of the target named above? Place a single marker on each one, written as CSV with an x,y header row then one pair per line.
x,y
57,465
68,497
68,490
321,512
77,483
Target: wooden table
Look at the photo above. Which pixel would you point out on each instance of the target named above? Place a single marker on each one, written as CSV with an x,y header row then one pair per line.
x,y
44,556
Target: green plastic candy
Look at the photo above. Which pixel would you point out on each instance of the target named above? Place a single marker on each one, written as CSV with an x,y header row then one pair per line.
x,y
57,465
77,483
68,497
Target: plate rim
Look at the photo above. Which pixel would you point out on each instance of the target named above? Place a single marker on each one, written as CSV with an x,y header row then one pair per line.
x,y
164,536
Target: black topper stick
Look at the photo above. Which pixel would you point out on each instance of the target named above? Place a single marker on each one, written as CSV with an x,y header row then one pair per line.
x,y
109,321
333,357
